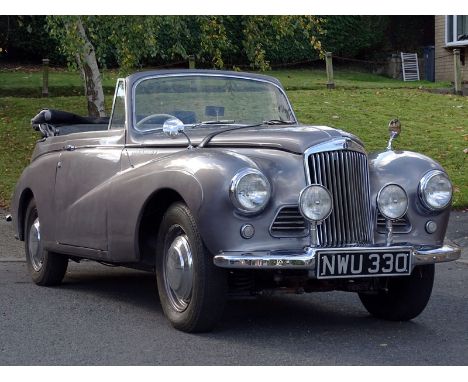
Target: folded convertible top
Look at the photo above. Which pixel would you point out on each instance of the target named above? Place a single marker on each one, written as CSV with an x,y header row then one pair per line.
x,y
58,117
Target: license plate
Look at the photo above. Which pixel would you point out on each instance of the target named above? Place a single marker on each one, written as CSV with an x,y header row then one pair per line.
x,y
363,264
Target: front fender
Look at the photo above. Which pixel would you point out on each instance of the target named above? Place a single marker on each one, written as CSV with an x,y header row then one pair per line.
x,y
37,180
202,178
406,169
192,174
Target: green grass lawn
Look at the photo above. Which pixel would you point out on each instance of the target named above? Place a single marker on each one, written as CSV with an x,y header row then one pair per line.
x,y
62,81
314,79
17,138
433,124
12,79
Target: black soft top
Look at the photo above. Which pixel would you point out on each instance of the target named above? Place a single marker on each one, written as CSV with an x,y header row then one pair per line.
x,y
58,117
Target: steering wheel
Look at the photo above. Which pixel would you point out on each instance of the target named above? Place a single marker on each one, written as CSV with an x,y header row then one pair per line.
x,y
163,117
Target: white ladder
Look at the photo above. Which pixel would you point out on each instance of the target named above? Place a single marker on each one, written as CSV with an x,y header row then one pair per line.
x,y
409,63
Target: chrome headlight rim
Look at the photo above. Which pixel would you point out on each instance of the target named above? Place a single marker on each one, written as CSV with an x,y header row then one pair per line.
x,y
380,209
423,184
233,187
301,194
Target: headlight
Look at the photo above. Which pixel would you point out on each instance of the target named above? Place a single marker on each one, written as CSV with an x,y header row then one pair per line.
x,y
435,190
392,201
250,190
315,203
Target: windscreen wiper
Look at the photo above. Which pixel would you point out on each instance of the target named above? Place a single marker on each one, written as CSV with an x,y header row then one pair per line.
x,y
209,137
279,122
218,122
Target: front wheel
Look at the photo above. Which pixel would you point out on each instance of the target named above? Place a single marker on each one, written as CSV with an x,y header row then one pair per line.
x,y
46,268
191,288
403,298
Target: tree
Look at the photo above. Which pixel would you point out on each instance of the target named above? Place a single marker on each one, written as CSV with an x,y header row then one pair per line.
x,y
88,40
75,43
93,41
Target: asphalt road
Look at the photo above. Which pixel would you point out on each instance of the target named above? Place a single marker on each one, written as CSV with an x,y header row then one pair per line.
x,y
112,316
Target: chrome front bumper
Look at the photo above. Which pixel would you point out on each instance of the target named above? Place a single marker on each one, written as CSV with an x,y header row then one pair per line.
x,y
306,259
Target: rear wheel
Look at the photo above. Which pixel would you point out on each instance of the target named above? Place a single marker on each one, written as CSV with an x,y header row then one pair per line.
x,y
403,298
191,288
46,268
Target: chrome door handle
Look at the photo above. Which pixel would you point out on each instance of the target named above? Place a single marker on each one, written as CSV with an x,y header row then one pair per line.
x,y
69,147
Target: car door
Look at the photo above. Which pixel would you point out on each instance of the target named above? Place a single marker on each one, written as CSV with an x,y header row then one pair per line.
x,y
88,164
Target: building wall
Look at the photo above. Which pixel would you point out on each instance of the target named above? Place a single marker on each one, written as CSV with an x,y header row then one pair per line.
x,y
444,56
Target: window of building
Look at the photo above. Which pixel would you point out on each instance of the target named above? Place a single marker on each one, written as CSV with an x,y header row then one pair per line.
x,y
456,31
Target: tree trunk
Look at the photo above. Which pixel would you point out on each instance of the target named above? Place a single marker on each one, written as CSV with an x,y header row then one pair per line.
x,y
92,77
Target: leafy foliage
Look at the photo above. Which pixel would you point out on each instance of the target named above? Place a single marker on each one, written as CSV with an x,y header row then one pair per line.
x,y
217,41
131,41
120,39
355,36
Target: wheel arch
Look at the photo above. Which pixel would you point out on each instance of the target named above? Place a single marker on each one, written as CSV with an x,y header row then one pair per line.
x,y
24,200
150,219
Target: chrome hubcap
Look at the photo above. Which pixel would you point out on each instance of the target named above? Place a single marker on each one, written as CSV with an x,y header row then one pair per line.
x,y
36,254
178,273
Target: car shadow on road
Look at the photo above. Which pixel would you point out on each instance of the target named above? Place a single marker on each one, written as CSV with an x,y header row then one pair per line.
x,y
246,317
327,325
117,284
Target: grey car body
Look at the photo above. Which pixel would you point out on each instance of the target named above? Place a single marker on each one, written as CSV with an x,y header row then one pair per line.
x,y
101,192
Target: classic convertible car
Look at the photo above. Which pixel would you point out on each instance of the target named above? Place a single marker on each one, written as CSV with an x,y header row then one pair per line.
x,y
208,179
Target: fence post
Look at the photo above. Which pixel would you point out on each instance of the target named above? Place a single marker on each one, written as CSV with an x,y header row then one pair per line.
x,y
329,65
191,61
45,77
457,71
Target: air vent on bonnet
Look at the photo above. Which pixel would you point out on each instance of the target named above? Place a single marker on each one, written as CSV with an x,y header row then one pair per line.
x,y
289,222
401,225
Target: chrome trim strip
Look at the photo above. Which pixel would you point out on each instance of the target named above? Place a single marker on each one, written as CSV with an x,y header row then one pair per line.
x,y
335,145
136,83
306,259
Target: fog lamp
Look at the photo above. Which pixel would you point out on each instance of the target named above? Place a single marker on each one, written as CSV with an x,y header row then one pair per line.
x,y
315,203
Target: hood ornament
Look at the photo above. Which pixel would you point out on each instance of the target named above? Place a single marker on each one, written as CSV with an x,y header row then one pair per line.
x,y
394,128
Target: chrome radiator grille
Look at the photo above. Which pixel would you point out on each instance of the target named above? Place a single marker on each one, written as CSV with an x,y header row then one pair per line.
x,y
345,174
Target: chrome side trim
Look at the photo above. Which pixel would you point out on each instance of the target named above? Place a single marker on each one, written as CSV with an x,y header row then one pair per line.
x,y
306,259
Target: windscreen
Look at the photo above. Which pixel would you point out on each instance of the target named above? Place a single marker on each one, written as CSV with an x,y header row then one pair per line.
x,y
207,98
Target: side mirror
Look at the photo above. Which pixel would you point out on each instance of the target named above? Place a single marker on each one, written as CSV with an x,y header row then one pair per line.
x,y
173,126
394,129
